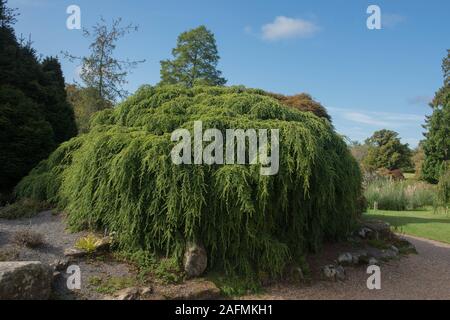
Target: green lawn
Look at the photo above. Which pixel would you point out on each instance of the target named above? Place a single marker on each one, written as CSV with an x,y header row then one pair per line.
x,y
425,224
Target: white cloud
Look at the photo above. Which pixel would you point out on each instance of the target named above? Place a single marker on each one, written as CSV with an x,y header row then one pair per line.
x,y
379,119
286,28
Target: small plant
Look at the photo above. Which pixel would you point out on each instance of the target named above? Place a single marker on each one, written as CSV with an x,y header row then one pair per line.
x,y
110,285
165,270
24,208
8,255
28,238
88,243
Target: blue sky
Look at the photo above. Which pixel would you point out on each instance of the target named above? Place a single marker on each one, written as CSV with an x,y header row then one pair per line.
x,y
368,79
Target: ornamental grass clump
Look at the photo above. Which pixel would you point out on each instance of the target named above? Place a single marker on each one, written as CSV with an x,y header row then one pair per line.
x,y
120,177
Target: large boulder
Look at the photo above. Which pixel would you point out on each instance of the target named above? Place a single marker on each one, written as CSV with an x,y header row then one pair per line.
x,y
25,281
195,260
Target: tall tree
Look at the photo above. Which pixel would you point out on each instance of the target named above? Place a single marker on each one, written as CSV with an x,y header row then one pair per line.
x,y
195,60
386,151
100,69
58,111
437,138
34,114
7,15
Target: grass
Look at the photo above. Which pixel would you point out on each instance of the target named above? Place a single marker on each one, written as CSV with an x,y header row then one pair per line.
x,y
400,195
110,285
24,208
427,224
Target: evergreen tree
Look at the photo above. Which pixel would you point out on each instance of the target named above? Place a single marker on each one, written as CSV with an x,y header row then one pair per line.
x,y
58,111
437,143
195,60
34,114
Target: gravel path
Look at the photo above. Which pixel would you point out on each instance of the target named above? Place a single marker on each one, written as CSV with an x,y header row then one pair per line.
x,y
422,276
57,239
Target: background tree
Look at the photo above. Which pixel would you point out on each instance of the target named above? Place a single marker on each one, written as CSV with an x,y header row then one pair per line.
x,y
386,151
195,60
359,151
437,138
100,69
85,102
58,111
34,114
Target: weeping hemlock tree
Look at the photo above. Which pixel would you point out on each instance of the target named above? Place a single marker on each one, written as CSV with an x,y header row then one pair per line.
x,y
195,60
120,177
437,143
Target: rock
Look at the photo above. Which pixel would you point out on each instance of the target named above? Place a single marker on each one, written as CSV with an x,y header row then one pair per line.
x,y
197,289
74,253
373,262
128,294
195,260
366,233
60,264
340,273
381,229
146,291
329,272
345,258
334,273
388,254
103,244
395,249
361,257
25,281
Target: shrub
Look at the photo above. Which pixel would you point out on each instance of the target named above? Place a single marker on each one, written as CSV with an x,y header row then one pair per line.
x,y
120,177
24,208
28,238
399,195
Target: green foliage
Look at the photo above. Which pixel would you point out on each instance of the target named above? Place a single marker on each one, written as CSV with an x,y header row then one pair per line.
x,y
86,102
88,243
195,60
437,143
58,112
110,285
34,114
25,137
399,195
164,270
24,208
386,151
120,177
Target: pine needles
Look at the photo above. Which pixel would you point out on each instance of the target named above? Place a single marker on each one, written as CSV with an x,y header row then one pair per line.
x,y
120,177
